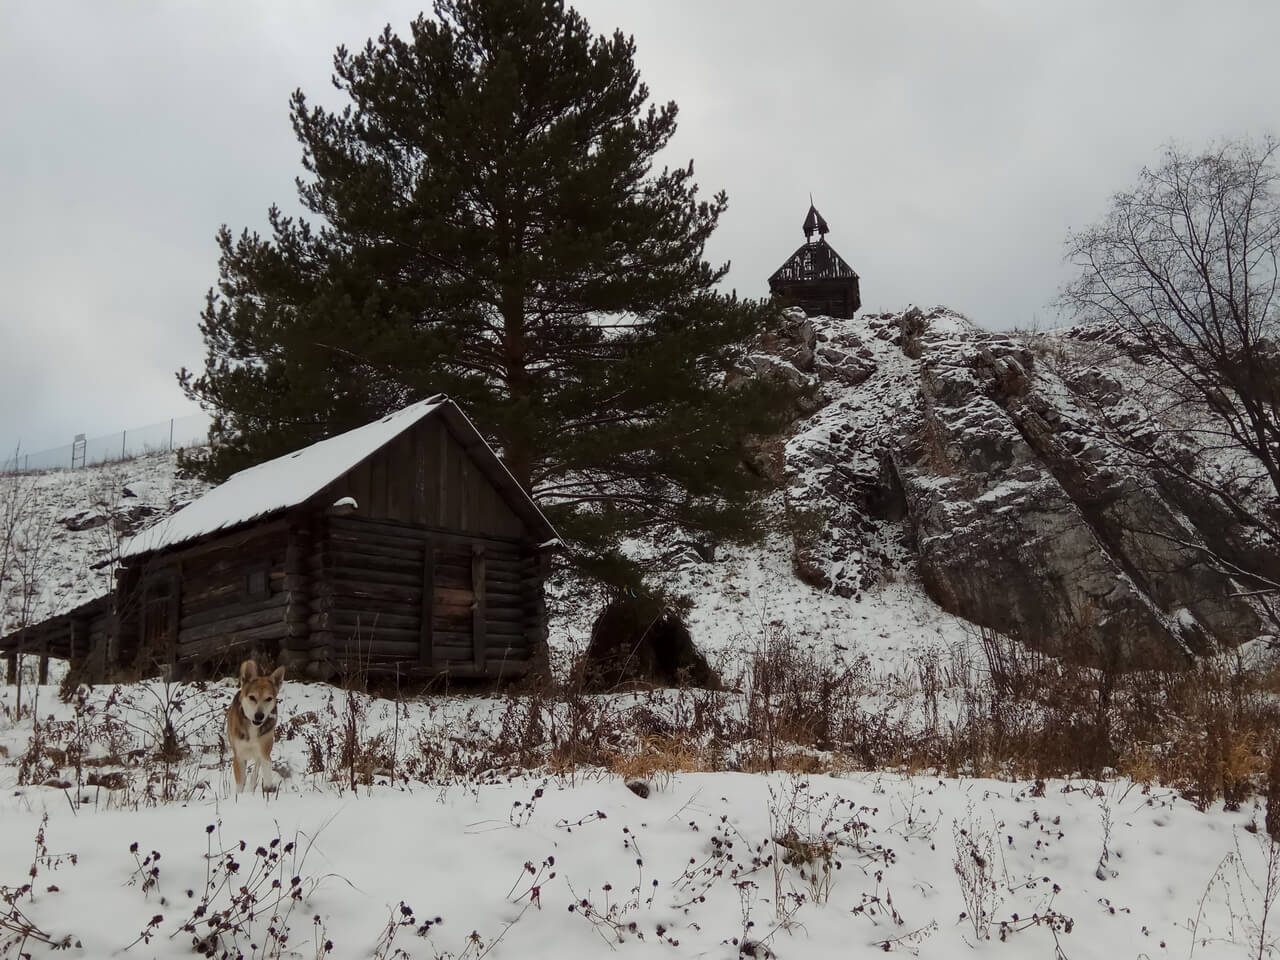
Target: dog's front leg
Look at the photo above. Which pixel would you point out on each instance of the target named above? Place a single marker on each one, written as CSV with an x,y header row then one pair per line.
x,y
266,773
237,767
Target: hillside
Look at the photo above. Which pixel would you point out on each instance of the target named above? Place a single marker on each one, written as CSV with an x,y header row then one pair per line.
x,y
934,465
71,523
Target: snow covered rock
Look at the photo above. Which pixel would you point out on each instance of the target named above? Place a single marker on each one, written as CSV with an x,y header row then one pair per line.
x,y
956,453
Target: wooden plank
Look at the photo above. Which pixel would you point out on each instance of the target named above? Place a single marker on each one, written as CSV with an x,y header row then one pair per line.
x,y
453,519
443,491
467,478
457,611
510,564
380,610
377,506
368,622
405,650
223,643
479,612
199,602
403,478
431,471
426,640
448,596
377,593
505,547
231,541
76,640
357,575
418,471
402,645
230,611
173,616
391,480
373,566
376,526
509,548
502,579
371,544
296,586
441,627
140,653
233,625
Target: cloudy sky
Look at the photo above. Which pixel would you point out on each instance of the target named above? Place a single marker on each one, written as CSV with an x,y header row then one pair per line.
x,y
951,144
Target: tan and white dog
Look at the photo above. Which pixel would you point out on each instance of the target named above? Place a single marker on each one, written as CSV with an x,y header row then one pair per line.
x,y
251,725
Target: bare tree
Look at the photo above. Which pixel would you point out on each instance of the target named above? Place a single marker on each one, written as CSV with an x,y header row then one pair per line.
x,y
25,554
1186,268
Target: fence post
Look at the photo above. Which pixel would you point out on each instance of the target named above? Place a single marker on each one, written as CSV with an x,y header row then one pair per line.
x,y
171,433
123,434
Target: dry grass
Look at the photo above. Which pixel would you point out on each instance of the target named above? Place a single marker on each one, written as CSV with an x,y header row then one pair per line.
x,y
989,708
657,757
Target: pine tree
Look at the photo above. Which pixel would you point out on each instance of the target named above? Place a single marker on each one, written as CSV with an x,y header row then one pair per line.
x,y
490,224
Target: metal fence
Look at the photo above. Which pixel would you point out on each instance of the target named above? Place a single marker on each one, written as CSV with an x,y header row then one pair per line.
x,y
172,434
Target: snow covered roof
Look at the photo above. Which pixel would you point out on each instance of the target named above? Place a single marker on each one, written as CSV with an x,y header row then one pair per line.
x,y
294,478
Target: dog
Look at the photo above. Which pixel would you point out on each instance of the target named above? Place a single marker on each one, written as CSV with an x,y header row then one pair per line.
x,y
251,725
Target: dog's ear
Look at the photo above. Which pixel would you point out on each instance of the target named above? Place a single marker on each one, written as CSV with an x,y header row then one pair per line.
x,y
277,676
248,671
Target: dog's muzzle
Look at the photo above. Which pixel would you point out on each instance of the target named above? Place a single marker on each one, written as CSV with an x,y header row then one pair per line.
x,y
257,719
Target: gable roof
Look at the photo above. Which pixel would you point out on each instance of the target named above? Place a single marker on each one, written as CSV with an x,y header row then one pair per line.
x,y
293,479
812,261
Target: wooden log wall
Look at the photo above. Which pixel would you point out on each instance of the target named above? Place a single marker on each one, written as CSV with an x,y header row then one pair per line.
x,y
234,598
387,594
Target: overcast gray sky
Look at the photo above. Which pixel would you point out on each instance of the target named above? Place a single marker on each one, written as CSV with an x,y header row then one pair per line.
x,y
950,144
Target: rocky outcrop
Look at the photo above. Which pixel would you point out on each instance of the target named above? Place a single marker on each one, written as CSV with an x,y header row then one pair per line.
x,y
966,457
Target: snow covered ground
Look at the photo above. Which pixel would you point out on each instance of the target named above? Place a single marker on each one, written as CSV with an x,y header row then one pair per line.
x,y
426,859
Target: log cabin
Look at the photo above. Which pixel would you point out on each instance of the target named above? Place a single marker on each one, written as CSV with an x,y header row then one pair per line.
x,y
401,547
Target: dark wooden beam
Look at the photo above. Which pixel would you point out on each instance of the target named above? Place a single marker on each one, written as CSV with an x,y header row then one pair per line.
x,y
220,540
426,640
140,653
478,614
173,616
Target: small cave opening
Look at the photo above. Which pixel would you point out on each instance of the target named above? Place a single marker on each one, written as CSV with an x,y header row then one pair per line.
x,y
643,642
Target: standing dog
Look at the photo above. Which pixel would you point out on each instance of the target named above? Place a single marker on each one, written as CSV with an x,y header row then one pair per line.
x,y
251,725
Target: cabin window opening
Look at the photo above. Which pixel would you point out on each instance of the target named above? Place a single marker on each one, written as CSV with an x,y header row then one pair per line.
x,y
255,583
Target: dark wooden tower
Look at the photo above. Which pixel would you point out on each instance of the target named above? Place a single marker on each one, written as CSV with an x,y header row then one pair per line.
x,y
815,277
